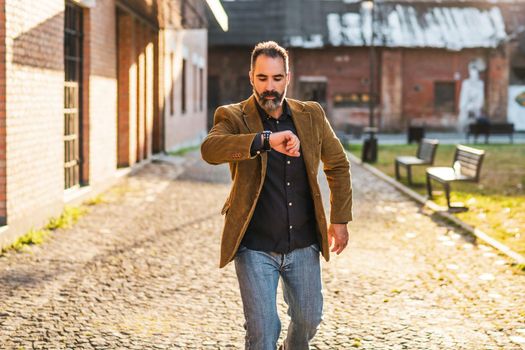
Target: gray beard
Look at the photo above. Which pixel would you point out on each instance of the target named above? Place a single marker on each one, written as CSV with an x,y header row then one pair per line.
x,y
269,105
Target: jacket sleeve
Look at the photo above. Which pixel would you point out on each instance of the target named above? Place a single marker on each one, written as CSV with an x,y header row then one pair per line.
x,y
224,142
337,169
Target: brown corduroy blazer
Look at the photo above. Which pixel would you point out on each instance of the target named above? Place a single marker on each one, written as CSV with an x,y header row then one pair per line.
x,y
235,127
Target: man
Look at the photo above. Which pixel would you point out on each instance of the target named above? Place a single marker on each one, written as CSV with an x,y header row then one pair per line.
x,y
275,224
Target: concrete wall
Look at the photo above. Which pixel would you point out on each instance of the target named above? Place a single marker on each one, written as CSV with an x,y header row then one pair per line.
x,y
185,128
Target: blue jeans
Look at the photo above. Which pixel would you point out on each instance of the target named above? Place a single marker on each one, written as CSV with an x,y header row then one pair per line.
x,y
258,274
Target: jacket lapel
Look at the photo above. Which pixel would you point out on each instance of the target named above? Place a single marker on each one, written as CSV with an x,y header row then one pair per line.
x,y
251,116
254,123
303,124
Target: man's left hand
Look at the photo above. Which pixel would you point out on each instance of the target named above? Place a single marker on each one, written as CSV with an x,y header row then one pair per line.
x,y
337,237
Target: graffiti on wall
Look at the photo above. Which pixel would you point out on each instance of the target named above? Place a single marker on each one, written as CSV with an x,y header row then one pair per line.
x,y
472,95
516,106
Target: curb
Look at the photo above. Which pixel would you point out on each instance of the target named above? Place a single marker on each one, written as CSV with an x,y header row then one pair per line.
x,y
440,211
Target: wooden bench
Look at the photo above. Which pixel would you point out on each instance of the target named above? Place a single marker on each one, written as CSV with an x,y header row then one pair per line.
x,y
426,151
488,129
466,166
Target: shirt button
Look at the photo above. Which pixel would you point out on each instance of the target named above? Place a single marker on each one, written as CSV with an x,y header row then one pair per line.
x,y
258,152
291,227
287,184
287,162
277,122
290,204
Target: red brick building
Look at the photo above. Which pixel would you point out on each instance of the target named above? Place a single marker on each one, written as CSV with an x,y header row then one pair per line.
x,y
422,49
89,89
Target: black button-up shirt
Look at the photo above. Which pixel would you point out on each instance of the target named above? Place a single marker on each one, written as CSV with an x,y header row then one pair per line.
x,y
284,217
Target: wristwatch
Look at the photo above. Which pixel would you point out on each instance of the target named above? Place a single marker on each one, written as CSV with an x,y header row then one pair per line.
x,y
266,140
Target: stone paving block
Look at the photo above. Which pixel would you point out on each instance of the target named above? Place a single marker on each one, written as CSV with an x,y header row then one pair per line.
x,y
140,272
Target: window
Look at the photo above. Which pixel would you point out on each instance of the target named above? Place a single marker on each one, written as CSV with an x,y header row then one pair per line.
x,y
172,84
313,91
73,87
183,89
351,99
517,76
445,96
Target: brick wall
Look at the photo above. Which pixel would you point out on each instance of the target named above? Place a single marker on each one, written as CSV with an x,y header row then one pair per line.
x,y
346,70
127,104
138,89
498,84
230,65
405,82
421,68
34,108
102,91
32,104
391,90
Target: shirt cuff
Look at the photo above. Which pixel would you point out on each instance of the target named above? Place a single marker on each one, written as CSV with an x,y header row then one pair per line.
x,y
257,145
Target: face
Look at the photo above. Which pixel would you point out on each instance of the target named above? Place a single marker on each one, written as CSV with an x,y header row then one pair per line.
x,y
473,71
270,81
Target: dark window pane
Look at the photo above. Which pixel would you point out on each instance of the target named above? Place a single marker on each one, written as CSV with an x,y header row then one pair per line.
x,y
183,97
445,96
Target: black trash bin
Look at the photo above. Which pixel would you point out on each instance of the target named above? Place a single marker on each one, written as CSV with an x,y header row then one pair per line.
x,y
415,134
369,152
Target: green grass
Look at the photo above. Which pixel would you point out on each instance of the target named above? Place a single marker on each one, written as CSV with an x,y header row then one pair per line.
x,y
496,204
67,218
95,200
29,238
184,150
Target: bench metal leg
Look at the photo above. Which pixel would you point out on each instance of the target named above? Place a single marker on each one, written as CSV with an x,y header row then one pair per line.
x,y
409,175
397,170
447,192
429,187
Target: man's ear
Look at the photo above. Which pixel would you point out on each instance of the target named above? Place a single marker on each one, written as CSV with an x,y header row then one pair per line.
x,y
288,78
250,76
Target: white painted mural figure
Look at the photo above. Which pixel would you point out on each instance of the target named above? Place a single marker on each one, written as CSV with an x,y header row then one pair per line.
x,y
472,95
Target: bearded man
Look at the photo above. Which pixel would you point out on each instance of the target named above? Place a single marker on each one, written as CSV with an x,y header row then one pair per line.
x,y
275,225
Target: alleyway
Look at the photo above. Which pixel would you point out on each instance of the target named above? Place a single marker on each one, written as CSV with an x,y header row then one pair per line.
x,y
140,272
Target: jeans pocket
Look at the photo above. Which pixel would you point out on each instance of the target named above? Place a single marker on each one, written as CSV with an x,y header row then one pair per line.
x,y
241,250
315,247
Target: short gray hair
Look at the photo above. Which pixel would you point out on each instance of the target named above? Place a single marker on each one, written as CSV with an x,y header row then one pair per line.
x,y
270,49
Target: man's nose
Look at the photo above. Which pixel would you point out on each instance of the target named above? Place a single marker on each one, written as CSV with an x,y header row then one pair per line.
x,y
269,85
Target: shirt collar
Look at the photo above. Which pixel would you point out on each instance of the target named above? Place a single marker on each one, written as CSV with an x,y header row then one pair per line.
x,y
286,111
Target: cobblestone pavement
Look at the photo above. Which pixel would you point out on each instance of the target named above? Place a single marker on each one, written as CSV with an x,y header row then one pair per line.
x,y
140,272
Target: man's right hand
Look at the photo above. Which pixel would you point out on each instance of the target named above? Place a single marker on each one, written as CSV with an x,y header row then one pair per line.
x,y
285,142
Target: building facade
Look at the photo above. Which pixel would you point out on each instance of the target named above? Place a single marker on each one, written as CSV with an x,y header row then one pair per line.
x,y
88,90
410,59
